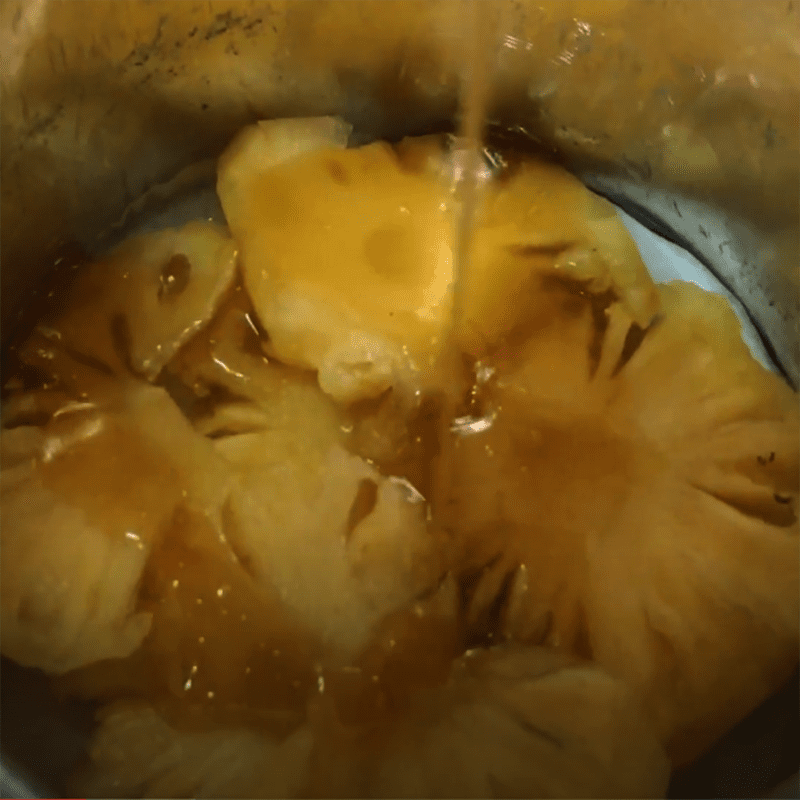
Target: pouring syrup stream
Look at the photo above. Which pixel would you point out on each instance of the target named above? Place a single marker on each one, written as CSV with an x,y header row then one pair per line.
x,y
480,29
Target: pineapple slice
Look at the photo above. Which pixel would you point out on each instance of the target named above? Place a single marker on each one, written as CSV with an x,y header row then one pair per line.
x,y
348,254
128,313
639,487
542,224
348,260
507,722
342,545
84,501
136,753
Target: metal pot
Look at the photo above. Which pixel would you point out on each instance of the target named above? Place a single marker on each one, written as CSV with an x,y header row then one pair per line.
x,y
684,113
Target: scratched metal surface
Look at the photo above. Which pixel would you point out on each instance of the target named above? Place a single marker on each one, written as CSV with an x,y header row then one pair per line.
x,y
733,254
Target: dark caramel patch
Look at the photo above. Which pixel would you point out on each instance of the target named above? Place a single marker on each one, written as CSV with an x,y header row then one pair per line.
x,y
120,331
174,278
338,172
363,504
633,341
